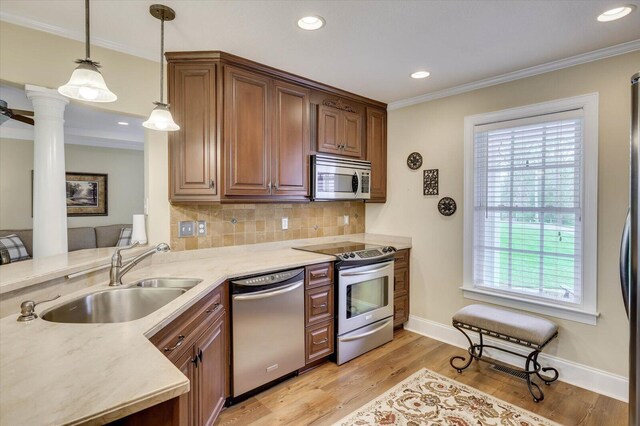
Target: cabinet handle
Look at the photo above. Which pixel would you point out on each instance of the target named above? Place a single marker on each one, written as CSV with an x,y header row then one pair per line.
x,y
215,308
200,355
275,186
325,340
177,345
319,274
322,305
195,361
212,184
269,186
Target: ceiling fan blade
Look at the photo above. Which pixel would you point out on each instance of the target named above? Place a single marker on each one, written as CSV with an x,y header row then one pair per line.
x,y
23,119
22,112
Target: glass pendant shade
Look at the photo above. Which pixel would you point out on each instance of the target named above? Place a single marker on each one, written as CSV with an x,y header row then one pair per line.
x,y
161,119
87,84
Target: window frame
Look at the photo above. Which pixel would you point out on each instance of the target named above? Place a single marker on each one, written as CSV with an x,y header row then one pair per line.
x,y
585,312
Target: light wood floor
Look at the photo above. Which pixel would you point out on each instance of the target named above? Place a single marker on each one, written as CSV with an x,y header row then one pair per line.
x,y
328,393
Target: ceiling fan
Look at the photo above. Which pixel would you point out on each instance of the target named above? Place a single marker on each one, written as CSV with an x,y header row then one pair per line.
x,y
21,115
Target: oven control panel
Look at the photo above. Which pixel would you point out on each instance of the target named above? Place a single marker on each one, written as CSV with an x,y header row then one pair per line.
x,y
367,254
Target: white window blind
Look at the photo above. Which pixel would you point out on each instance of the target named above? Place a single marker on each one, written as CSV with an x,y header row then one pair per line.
x,y
527,220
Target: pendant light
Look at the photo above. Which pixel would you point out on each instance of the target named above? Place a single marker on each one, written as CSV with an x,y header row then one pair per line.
x,y
160,118
86,82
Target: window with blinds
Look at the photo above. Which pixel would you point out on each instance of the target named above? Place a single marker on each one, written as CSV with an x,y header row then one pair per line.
x,y
527,211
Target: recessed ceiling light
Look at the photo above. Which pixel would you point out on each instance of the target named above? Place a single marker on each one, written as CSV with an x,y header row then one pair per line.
x,y
617,13
123,123
311,23
420,74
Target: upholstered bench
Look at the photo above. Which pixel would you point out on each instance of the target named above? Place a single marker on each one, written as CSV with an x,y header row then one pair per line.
x,y
525,330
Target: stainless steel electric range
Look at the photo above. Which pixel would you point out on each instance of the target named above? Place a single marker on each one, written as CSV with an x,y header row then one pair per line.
x,y
364,302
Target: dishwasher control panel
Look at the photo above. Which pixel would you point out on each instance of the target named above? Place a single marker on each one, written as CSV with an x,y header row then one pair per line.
x,y
262,280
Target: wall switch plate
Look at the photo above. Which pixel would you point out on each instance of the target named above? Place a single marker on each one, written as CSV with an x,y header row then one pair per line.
x,y
186,229
202,228
346,219
285,223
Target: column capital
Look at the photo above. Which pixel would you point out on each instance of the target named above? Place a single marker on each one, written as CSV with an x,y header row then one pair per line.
x,y
33,91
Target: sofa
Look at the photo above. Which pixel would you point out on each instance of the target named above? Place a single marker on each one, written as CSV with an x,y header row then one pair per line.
x,y
77,238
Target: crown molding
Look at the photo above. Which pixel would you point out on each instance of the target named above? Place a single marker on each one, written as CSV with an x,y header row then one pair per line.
x,y
583,58
75,35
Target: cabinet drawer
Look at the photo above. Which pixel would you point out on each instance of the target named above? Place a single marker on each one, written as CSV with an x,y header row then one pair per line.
x,y
400,310
400,281
319,340
318,305
178,335
401,258
319,275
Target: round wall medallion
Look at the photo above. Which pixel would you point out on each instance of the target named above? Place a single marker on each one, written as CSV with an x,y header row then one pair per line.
x,y
447,206
414,160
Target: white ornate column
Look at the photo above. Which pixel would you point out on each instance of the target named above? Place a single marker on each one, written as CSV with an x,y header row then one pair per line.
x,y
49,187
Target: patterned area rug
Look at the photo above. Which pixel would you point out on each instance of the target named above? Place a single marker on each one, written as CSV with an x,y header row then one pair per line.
x,y
427,398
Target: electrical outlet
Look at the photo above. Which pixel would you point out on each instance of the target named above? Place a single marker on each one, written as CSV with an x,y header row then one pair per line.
x,y
346,219
186,229
285,223
202,228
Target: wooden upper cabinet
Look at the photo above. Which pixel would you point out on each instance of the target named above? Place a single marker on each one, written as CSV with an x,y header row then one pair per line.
x,y
339,129
247,130
193,148
352,134
290,143
329,130
247,137
377,153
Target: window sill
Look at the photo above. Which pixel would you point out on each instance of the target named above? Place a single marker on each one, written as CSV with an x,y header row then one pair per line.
x,y
539,307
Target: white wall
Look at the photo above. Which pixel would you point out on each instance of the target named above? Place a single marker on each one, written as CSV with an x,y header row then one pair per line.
x,y
125,182
436,130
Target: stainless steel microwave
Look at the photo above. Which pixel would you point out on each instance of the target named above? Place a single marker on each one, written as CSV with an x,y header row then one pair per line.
x,y
337,178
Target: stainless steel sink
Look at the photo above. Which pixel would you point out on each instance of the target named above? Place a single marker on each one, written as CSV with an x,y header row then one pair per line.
x,y
185,283
116,305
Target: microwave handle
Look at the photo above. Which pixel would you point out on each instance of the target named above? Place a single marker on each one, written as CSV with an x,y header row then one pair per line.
x,y
357,189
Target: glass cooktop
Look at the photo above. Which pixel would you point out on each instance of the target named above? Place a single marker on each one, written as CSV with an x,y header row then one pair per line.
x,y
339,247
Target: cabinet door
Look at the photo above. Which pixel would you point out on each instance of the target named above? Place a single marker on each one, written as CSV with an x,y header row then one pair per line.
x,y
329,130
351,134
187,403
377,153
211,351
247,139
290,144
192,149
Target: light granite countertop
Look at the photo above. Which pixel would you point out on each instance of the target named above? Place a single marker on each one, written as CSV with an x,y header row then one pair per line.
x,y
53,373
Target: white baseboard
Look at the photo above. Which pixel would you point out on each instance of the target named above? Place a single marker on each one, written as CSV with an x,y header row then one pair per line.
x,y
593,379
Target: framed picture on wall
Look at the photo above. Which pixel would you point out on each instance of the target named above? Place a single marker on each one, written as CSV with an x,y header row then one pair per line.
x,y
87,194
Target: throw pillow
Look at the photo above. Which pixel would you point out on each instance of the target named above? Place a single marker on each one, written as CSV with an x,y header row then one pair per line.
x,y
125,237
12,249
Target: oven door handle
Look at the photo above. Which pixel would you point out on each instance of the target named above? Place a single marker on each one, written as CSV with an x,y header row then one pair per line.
x,y
255,296
368,333
370,271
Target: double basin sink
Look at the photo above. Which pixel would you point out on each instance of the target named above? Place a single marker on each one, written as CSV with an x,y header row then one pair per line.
x,y
121,304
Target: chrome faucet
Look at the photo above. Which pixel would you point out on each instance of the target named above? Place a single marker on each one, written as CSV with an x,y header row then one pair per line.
x,y
118,269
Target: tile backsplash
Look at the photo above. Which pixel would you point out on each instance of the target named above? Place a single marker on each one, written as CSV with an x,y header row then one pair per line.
x,y
237,224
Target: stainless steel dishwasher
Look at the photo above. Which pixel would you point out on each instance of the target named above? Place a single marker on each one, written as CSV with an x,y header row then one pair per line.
x,y
268,328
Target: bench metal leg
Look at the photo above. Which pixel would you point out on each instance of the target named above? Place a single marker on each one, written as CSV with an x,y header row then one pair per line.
x,y
532,366
472,352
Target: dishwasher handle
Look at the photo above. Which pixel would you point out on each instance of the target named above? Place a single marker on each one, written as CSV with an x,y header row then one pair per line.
x,y
264,295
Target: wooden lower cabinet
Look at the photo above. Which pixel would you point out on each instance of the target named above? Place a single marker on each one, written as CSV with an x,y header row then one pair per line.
x,y
210,377
401,288
319,341
197,342
319,313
